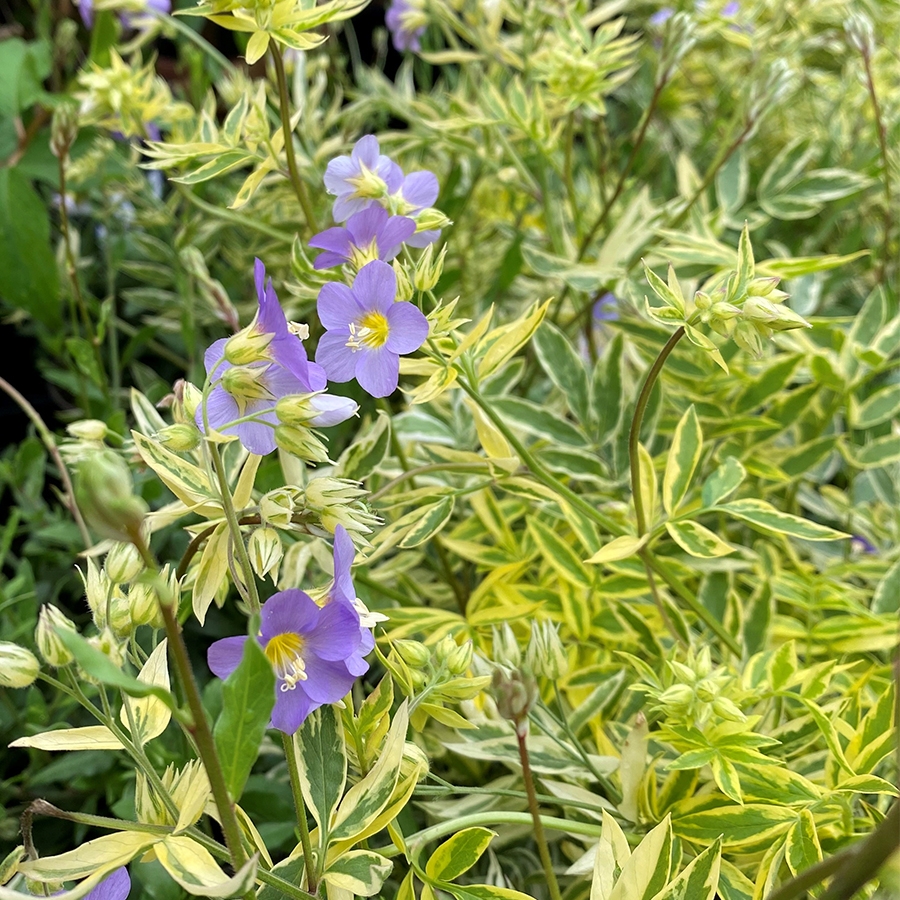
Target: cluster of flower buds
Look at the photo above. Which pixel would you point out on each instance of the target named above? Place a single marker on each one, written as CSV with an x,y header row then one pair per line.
x,y
338,501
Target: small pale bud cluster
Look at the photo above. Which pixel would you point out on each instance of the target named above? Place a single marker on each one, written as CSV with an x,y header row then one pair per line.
x,y
505,647
123,563
63,129
545,655
266,552
429,269
276,508
404,285
188,398
105,495
515,693
87,436
337,501
51,622
301,442
18,666
249,345
699,691
182,437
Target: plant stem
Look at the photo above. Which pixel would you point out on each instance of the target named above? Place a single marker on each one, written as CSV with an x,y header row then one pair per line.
x,y
539,836
50,443
284,99
290,752
237,538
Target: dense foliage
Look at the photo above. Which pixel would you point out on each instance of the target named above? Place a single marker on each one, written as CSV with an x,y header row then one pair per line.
x,y
602,601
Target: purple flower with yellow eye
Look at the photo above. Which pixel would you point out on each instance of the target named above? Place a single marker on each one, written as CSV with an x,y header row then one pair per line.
x,y
361,179
367,331
370,234
406,21
308,646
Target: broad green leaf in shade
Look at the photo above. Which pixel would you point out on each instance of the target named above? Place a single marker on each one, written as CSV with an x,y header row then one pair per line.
x,y
322,762
90,737
368,797
879,407
361,872
723,482
361,458
558,554
564,367
105,853
189,483
875,454
757,615
458,854
733,883
749,828
619,548
212,570
684,454
887,593
612,854
648,486
194,868
97,664
150,714
699,880
697,539
766,517
431,520
607,394
802,848
726,777
28,270
647,870
248,696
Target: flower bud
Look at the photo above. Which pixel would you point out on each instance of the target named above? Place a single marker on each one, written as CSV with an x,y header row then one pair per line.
x,y
277,507
728,710
181,437
315,410
145,596
266,552
246,382
412,653
97,588
18,667
87,430
105,496
63,129
678,697
430,219
300,443
247,346
404,286
50,622
429,269
506,651
460,659
123,563
107,643
418,679
188,398
514,693
545,655
705,691
120,621
445,647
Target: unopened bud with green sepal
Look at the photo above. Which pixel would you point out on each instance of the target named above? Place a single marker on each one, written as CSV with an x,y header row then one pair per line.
x,y
19,667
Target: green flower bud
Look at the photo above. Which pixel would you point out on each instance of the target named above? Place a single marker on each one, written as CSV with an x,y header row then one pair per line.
x,y
430,218
277,507
677,698
123,563
706,691
266,552
181,437
418,679
50,622
429,269
145,596
247,346
445,647
514,693
506,650
460,659
246,382
105,495
188,398
728,710
120,621
684,673
18,667
545,655
88,430
107,643
404,286
97,589
63,129
301,443
412,653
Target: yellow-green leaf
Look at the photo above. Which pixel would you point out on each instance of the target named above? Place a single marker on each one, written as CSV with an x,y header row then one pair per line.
x,y
104,853
360,872
150,714
684,454
194,868
763,515
90,737
619,548
458,854
211,572
698,540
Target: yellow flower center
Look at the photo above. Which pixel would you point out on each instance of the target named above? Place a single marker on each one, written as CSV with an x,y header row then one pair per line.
x,y
371,331
284,651
369,186
359,256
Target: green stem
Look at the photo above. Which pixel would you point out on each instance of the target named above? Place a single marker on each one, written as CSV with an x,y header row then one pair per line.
x,y
539,836
296,181
290,753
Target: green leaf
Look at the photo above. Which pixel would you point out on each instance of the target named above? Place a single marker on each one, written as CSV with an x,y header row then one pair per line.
x,y
699,880
875,454
698,540
802,848
458,854
647,870
618,548
23,68
749,828
887,592
28,273
194,868
684,454
727,779
558,554
361,872
782,665
829,732
322,762
98,665
432,519
483,892
723,482
767,385
879,407
248,696
361,458
103,853
564,368
607,391
764,516
538,420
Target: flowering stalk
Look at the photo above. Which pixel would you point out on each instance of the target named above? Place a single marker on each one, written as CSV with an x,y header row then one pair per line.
x,y
290,753
296,181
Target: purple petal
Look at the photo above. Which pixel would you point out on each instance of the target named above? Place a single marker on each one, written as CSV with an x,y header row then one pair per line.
x,y
224,656
271,318
375,286
366,151
407,329
336,357
328,681
116,886
337,306
317,377
282,382
393,176
344,552
336,634
378,371
336,239
259,279
291,709
214,352
421,189
255,436
332,410
344,207
86,11
221,408
288,612
337,172
328,260
395,231
364,226
422,239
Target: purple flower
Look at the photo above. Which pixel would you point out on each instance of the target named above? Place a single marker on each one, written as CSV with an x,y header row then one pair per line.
x,y
129,19
116,886
662,15
731,9
606,308
861,544
362,178
370,234
406,22
367,331
309,647
257,367
418,191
